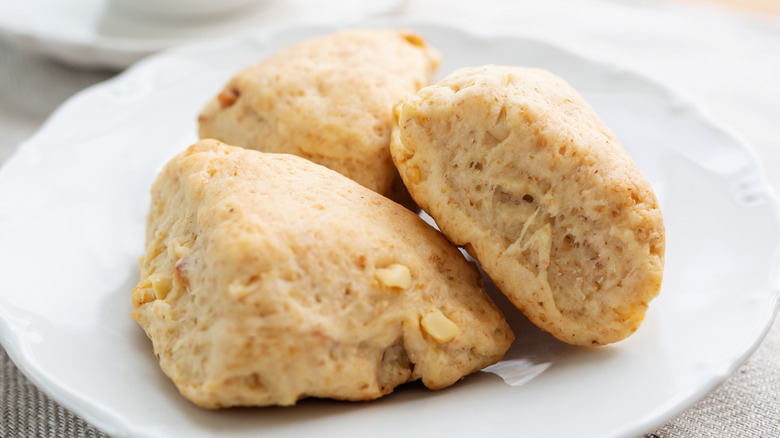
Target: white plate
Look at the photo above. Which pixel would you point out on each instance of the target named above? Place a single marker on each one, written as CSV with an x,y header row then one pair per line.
x,y
104,33
74,198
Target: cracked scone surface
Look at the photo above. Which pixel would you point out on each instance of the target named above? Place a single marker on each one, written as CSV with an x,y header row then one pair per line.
x,y
268,278
514,165
327,99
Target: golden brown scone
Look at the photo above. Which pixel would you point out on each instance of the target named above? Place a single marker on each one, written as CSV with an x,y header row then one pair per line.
x,y
268,278
514,165
328,99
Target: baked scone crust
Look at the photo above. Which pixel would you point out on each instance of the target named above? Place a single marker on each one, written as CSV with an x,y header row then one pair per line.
x,y
268,278
514,165
328,99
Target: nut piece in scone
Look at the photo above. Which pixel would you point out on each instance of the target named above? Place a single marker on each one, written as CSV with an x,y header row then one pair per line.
x,y
328,99
515,166
268,278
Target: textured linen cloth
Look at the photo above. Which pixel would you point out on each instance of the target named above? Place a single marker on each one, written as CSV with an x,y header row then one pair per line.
x,y
727,60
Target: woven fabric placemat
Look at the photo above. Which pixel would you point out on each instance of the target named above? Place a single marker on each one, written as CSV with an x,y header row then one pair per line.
x,y
27,412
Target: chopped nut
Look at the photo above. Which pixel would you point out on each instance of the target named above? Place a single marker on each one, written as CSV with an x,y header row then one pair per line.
x,y
143,284
161,285
414,40
228,97
439,327
414,174
395,275
142,294
499,130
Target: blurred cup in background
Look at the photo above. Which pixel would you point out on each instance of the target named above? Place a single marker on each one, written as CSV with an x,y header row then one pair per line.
x,y
183,8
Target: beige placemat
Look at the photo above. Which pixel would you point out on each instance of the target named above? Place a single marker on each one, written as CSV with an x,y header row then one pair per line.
x,y
27,412
770,7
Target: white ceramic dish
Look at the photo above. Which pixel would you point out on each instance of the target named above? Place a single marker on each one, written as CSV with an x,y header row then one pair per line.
x,y
117,33
73,202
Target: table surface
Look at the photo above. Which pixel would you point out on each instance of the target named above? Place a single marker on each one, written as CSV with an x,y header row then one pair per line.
x,y
727,58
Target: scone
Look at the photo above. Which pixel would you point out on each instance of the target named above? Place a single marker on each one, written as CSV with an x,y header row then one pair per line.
x,y
268,278
329,99
514,165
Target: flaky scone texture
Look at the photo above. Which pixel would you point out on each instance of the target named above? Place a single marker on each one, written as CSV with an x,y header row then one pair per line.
x,y
327,99
514,165
268,278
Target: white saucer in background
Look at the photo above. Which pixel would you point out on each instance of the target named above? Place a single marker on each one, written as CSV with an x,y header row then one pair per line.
x,y
107,34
